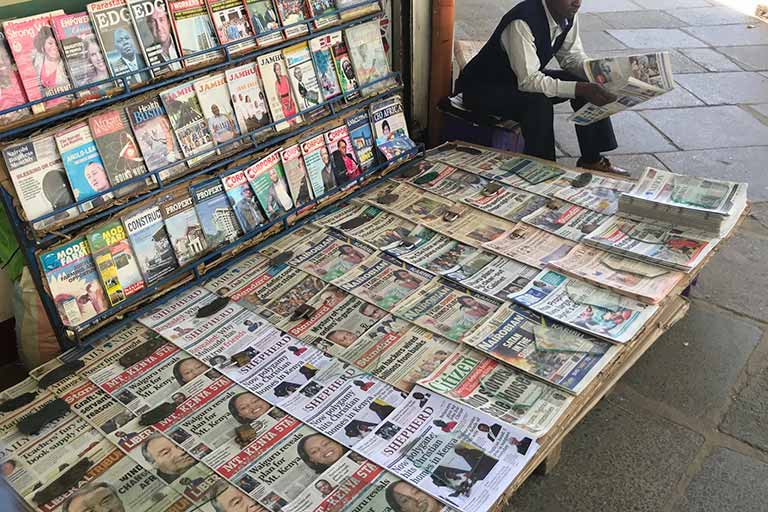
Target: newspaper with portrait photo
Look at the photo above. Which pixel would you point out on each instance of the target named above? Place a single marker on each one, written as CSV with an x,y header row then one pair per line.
x,y
368,224
530,245
492,275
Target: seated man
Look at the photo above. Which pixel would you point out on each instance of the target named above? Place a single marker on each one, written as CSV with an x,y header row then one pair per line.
x,y
507,79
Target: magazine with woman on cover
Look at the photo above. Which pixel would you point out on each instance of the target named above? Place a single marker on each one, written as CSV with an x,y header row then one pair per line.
x,y
81,51
277,85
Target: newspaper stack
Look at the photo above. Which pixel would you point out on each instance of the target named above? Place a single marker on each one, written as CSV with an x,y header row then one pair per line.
x,y
633,79
707,205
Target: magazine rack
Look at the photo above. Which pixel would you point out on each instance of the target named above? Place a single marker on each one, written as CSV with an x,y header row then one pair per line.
x,y
236,155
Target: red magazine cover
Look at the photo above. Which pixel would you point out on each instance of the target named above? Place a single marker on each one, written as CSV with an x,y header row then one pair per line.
x,y
37,57
11,90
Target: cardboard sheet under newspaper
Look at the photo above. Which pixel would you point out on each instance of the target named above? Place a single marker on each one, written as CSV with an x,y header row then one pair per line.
x,y
463,457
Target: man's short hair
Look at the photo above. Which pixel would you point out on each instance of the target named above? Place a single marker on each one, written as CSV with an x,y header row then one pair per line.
x,y
86,489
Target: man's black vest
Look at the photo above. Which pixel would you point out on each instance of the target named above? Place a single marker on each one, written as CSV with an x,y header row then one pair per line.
x,y
491,65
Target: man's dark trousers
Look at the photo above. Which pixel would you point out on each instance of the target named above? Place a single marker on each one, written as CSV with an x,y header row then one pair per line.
x,y
535,113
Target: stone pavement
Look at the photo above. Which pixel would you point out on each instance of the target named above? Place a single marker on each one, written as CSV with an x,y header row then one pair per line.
x,y
687,428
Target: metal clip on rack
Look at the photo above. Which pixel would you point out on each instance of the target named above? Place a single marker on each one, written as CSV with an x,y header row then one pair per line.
x,y
189,275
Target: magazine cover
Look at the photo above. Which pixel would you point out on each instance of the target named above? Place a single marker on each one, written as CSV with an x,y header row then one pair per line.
x,y
73,282
322,54
344,70
306,88
277,85
318,164
115,261
265,21
84,167
11,89
40,181
183,226
112,23
296,175
232,23
291,14
359,126
388,120
324,11
213,95
215,213
153,26
149,239
344,160
247,95
156,139
36,54
188,122
81,51
368,56
243,201
267,180
194,31
348,11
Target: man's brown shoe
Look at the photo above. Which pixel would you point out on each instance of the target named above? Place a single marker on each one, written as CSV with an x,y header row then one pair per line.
x,y
602,165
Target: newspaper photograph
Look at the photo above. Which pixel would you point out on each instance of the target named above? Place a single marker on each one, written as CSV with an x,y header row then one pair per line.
x,y
645,282
446,181
384,282
408,201
461,456
530,245
492,275
506,202
166,317
542,178
343,403
398,352
330,255
565,220
601,194
543,348
653,242
428,250
471,226
94,405
494,388
597,311
446,310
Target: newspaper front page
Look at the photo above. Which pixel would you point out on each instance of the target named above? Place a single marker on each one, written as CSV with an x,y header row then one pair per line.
x,y
566,220
492,275
601,194
530,245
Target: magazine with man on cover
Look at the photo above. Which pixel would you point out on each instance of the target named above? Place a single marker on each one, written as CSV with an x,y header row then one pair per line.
x,y
155,35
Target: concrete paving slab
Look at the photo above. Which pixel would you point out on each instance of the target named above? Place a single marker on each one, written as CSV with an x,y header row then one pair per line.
x,y
705,127
599,42
616,459
731,35
672,4
752,58
761,109
589,22
731,87
703,16
640,19
710,59
677,97
609,6
635,164
748,415
635,135
736,277
655,37
727,481
693,366
745,165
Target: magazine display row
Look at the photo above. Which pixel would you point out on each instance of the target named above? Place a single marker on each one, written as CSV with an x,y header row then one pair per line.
x,y
391,355
106,265
68,56
66,172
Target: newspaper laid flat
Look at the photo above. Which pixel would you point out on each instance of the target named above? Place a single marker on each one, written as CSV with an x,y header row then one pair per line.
x,y
429,250
370,225
237,275
510,396
446,181
398,352
585,307
542,178
492,275
471,226
447,310
632,79
653,242
410,202
565,220
461,456
330,255
540,347
288,241
506,202
642,281
601,194
483,161
530,245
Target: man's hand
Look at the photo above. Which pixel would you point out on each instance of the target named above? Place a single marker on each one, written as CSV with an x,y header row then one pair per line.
x,y
594,93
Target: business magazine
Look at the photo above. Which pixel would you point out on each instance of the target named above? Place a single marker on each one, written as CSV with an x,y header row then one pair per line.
x,y
317,162
247,97
213,95
111,21
292,13
218,220
321,48
11,89
264,20
73,282
83,165
296,175
115,261
232,23
155,35
361,135
306,88
243,201
194,31
277,86
344,159
267,180
189,122
183,225
81,52
369,59
156,139
149,238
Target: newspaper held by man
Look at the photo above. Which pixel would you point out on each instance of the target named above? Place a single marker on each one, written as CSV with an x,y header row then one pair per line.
x,y
490,386
585,307
530,245
447,310
493,275
633,79
642,281
699,203
463,457
565,220
660,243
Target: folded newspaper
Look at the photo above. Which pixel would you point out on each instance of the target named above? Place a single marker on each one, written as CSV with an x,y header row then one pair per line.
x,y
633,79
